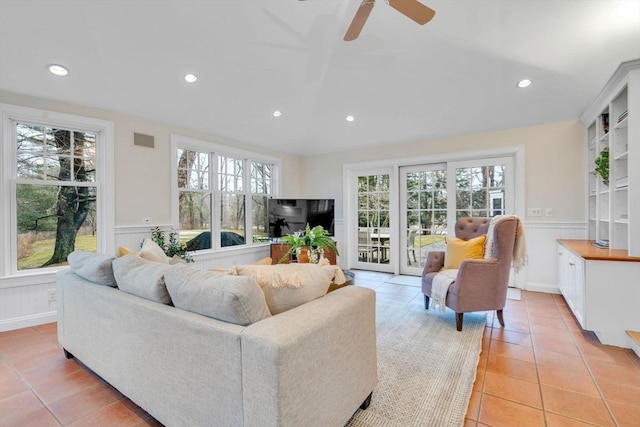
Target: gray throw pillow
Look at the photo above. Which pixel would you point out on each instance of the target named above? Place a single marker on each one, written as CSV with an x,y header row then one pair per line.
x,y
142,278
96,268
232,299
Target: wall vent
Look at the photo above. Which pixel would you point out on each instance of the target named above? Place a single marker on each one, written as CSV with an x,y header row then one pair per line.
x,y
143,140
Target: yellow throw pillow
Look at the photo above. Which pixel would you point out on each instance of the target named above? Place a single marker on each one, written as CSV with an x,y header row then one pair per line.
x,y
458,250
122,251
263,261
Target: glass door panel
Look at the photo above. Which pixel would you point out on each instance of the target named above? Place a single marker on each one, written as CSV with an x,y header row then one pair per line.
x,y
373,216
424,224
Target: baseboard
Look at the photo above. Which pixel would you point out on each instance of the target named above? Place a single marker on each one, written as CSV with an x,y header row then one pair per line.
x,y
28,321
542,287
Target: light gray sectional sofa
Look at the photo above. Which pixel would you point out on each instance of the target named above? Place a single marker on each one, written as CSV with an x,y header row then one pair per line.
x,y
313,365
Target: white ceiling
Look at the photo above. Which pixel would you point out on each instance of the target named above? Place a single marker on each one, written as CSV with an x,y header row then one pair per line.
x,y
403,82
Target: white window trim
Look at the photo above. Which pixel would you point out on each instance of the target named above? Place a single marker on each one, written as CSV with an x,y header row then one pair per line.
x,y
181,141
104,178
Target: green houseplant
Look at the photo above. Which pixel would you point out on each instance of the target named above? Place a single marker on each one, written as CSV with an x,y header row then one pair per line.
x,y
602,165
312,240
171,247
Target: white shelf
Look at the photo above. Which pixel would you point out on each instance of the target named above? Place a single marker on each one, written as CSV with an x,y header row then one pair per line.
x,y
607,204
622,123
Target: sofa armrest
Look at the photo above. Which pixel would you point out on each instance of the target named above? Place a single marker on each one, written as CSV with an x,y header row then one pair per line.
x,y
435,262
312,365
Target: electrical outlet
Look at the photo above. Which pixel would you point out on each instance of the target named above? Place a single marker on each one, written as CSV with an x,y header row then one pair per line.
x,y
548,212
52,295
534,212
146,220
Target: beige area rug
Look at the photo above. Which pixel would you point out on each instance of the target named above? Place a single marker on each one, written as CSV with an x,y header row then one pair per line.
x,y
426,368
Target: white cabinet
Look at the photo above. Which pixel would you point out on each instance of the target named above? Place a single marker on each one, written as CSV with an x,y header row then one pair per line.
x,y
613,128
602,289
571,282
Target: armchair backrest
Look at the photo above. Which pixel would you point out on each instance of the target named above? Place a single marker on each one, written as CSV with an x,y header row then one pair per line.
x,y
470,227
504,236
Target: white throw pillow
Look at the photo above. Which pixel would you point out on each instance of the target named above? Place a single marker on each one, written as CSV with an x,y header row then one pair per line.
x,y
151,251
232,299
287,286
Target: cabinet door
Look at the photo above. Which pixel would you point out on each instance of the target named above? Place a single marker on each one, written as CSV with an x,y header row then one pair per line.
x,y
563,271
579,290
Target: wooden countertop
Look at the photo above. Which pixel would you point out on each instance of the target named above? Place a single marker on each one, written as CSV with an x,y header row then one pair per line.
x,y
586,250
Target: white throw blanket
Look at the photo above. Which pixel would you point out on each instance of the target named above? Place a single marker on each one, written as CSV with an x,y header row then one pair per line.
x,y
440,287
519,248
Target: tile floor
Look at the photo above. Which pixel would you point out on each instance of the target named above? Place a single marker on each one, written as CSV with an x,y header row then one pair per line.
x,y
540,370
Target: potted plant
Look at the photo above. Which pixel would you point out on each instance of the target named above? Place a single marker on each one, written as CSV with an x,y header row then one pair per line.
x,y
172,247
602,165
311,241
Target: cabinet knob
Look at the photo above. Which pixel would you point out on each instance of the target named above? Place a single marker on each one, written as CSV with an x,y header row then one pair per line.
x,y
572,264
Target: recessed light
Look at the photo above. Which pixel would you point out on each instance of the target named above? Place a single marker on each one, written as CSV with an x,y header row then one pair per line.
x,y
58,70
524,83
190,78
277,113
349,118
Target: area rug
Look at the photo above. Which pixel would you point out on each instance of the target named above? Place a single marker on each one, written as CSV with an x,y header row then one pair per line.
x,y
426,368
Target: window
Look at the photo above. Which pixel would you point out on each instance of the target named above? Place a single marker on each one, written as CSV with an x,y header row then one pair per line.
x,y
222,195
58,188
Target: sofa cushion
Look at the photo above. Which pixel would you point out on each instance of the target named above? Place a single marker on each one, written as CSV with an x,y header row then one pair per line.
x,y
458,250
142,278
286,286
232,299
96,268
153,252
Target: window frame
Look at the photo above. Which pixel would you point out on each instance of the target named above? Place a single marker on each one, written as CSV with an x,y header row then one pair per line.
x,y
104,180
215,150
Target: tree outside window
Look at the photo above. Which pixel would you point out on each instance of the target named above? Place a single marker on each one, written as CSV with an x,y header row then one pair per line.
x,y
56,193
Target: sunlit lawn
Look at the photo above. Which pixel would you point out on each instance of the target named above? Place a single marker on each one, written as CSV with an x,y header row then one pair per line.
x,y
42,250
428,239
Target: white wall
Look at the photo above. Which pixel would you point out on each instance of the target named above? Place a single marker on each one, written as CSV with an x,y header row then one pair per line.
x,y
555,177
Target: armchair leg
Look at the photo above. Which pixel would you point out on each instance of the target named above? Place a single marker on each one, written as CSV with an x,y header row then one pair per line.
x,y
426,302
459,321
500,318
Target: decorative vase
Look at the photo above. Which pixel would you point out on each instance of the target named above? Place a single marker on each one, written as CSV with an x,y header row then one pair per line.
x,y
303,254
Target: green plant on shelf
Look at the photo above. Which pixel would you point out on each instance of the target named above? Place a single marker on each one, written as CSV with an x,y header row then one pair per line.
x,y
602,165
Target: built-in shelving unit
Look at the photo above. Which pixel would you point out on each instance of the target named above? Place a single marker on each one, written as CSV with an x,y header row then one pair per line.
x,y
613,125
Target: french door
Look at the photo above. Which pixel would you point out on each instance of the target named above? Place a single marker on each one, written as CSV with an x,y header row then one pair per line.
x,y
434,196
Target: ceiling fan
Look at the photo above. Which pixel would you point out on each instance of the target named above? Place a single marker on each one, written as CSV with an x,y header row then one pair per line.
x,y
410,8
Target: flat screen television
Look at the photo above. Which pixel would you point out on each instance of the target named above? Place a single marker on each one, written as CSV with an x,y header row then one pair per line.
x,y
287,216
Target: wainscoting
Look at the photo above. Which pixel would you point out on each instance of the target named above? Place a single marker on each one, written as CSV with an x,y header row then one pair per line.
x,y
542,267
25,301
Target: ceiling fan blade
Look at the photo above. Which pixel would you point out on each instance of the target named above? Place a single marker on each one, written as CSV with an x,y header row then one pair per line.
x,y
358,20
413,9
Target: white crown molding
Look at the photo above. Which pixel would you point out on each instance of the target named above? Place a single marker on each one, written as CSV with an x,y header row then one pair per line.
x,y
598,104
